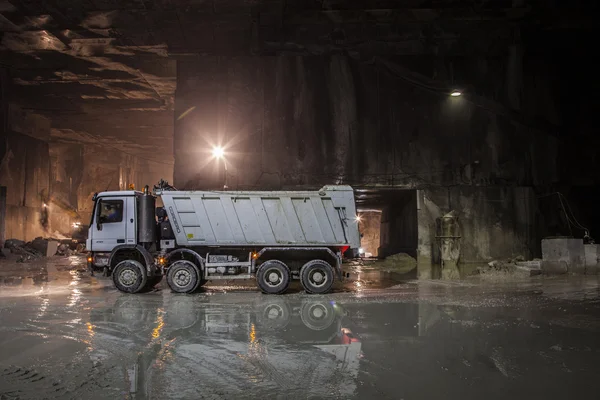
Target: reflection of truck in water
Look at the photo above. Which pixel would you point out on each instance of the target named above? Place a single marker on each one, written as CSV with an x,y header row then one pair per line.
x,y
188,345
200,235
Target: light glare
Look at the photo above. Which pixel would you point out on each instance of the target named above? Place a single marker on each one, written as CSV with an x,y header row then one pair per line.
x,y
218,152
456,93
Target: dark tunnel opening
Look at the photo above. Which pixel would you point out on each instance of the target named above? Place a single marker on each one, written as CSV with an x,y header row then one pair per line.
x,y
388,221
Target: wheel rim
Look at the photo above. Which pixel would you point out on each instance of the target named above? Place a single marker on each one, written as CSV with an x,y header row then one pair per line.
x,y
128,277
182,277
273,277
318,277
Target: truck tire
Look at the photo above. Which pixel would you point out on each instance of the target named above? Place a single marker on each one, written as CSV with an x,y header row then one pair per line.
x,y
317,277
183,276
273,277
129,276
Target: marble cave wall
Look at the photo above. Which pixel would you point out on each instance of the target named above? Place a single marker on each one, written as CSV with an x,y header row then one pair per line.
x,y
306,121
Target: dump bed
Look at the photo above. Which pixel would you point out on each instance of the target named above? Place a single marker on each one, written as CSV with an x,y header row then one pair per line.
x,y
312,218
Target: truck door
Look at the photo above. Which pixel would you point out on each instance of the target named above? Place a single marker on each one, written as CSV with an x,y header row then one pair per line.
x,y
109,229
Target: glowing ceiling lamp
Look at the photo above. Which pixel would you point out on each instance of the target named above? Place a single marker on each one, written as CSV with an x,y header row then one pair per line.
x,y
218,152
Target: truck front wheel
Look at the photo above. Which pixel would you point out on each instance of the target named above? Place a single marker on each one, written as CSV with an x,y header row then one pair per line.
x,y
317,276
129,276
273,277
183,276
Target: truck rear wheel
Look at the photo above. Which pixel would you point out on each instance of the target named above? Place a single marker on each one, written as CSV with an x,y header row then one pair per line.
x,y
183,276
273,277
129,276
317,276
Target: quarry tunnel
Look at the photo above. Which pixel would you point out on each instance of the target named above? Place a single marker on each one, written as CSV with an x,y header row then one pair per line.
x,y
355,199
424,108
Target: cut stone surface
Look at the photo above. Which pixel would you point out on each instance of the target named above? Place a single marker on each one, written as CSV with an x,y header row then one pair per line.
x,y
563,255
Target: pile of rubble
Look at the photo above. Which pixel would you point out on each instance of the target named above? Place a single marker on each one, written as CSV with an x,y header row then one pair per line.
x,y
42,247
400,263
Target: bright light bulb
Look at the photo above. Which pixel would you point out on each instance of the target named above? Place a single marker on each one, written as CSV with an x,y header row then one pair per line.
x,y
456,93
358,218
218,152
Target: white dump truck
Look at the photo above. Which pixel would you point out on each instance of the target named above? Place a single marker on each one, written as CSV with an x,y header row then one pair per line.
x,y
200,236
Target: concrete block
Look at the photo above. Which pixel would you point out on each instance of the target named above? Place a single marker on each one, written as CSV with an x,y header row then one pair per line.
x,y
554,267
592,259
45,247
559,254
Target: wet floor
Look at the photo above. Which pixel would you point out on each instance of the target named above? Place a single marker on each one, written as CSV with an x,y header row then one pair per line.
x,y
66,335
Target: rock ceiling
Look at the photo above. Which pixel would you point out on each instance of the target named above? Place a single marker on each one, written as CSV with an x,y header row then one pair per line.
x,y
105,70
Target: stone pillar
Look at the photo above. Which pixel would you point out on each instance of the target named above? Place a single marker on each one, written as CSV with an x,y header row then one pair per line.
x,y
3,149
2,217
196,121
431,204
449,242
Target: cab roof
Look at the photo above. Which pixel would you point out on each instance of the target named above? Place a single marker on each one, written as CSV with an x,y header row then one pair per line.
x,y
118,193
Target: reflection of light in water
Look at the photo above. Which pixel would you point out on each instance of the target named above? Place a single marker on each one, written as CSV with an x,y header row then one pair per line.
x,y
166,354
90,329
43,307
252,334
359,286
75,295
91,334
255,351
75,292
160,323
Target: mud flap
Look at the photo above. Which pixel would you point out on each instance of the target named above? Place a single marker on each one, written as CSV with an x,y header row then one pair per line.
x,y
338,270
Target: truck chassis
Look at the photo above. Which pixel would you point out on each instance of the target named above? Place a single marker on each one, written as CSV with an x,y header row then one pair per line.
x,y
135,269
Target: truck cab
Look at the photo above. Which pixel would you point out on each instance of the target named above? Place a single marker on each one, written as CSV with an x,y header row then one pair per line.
x,y
114,220
123,227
